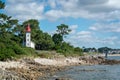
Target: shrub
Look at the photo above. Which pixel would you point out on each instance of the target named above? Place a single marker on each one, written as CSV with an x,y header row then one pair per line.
x,y
18,50
29,51
78,51
6,54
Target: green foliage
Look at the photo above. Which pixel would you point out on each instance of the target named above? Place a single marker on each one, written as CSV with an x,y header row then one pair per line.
x,y
57,39
2,46
63,47
103,49
45,55
29,51
78,51
90,50
63,29
18,50
44,40
34,24
68,50
16,39
9,49
2,4
6,54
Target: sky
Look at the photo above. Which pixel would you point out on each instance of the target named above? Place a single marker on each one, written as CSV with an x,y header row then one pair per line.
x,y
94,23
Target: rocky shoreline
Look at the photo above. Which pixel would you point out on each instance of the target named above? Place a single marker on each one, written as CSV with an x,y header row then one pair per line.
x,y
34,69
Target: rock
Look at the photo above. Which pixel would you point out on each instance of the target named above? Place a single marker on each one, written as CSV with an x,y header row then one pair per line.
x,y
63,79
6,75
110,62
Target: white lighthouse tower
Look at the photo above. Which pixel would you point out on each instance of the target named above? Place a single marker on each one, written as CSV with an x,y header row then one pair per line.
x,y
29,43
28,36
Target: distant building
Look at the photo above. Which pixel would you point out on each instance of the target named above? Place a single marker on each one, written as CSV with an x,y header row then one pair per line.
x,y
29,43
114,51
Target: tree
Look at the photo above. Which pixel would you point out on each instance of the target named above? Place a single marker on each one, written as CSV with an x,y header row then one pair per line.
x,y
63,30
8,41
2,5
43,41
57,38
34,24
103,49
7,24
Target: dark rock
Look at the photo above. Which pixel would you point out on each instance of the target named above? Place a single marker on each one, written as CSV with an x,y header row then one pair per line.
x,y
63,79
110,62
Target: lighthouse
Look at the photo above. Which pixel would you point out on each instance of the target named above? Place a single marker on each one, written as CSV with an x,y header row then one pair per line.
x,y
29,43
28,36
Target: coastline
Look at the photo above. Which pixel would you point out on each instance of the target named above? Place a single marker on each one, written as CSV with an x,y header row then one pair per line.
x,y
34,68
108,55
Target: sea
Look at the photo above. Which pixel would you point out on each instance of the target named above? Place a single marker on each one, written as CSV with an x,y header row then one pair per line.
x,y
91,72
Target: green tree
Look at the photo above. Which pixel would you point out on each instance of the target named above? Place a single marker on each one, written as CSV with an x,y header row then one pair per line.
x,y
34,24
9,46
57,38
2,5
43,41
104,49
63,30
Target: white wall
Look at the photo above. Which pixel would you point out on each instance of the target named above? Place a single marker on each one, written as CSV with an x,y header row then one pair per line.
x,y
32,45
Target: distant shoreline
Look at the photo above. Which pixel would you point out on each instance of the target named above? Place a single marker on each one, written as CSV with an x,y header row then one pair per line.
x,y
109,55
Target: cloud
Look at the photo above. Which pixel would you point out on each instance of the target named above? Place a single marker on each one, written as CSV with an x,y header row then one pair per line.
x,y
73,29
91,38
56,9
98,9
52,3
25,9
87,2
105,27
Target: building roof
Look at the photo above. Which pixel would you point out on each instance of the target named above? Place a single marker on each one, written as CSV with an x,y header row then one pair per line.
x,y
28,29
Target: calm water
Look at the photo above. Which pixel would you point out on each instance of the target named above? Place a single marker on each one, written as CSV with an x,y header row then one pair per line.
x,y
95,72
114,57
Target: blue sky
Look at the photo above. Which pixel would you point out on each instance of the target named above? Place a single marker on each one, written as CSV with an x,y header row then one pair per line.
x,y
94,23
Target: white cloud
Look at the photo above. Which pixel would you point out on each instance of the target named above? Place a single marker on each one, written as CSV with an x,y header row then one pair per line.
x,y
84,33
54,14
73,29
52,3
25,9
114,3
91,39
98,9
105,27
